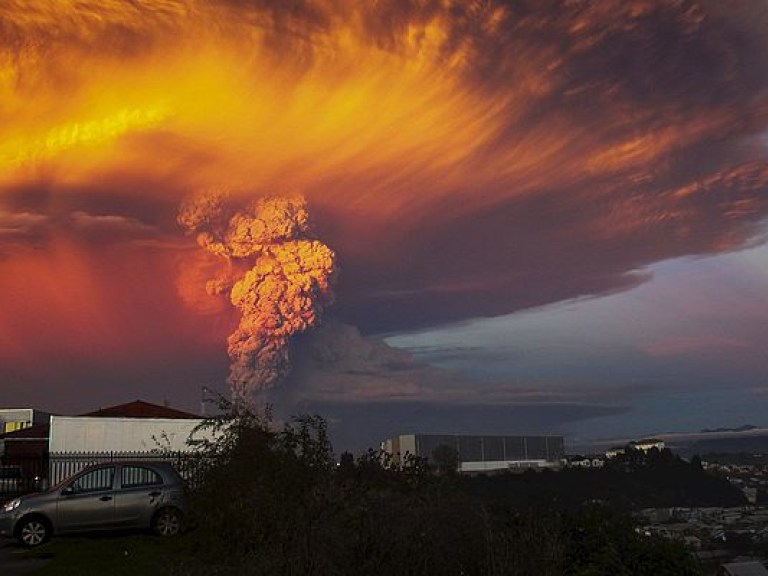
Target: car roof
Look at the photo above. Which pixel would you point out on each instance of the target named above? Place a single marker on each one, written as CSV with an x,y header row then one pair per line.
x,y
166,466
149,463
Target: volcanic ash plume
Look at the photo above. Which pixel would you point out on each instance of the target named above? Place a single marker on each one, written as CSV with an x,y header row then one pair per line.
x,y
284,292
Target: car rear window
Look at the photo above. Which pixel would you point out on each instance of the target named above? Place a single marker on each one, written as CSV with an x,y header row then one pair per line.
x,y
139,476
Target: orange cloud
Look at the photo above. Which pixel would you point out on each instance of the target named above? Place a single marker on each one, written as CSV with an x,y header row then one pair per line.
x,y
73,303
462,158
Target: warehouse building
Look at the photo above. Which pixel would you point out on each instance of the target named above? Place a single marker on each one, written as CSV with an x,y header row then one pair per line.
x,y
12,419
483,453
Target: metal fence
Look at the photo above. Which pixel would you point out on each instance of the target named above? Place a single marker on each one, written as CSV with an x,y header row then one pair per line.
x,y
20,474
64,465
23,474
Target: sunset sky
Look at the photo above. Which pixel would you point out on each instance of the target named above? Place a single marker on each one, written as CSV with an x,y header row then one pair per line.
x,y
549,216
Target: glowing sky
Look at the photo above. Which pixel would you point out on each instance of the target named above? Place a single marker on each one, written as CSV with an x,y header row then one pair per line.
x,y
560,205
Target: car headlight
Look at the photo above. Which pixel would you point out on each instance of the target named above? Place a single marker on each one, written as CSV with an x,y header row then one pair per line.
x,y
11,505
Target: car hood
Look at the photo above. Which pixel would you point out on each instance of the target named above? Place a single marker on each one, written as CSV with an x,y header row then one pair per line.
x,y
38,498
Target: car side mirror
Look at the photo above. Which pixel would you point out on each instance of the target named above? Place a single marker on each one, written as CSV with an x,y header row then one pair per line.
x,y
68,491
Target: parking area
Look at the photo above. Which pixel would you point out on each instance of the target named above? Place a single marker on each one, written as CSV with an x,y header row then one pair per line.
x,y
13,562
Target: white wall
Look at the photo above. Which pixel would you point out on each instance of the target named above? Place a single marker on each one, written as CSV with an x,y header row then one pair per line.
x,y
408,444
16,414
493,465
88,434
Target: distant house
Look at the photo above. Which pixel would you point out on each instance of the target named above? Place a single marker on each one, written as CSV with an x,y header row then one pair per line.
x,y
12,419
742,569
577,462
647,444
615,451
585,462
28,442
692,542
23,431
750,493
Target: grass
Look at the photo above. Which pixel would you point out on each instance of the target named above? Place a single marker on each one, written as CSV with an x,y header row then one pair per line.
x,y
111,554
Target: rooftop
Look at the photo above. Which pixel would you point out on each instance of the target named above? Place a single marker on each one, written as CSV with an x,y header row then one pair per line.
x,y
140,409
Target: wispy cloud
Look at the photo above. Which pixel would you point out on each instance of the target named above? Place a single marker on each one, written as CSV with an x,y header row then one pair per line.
x,y
685,345
110,223
20,223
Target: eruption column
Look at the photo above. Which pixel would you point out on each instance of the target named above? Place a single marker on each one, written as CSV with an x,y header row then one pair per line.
x,y
284,292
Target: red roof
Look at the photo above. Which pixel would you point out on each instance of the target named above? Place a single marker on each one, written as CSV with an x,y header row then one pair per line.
x,y
140,409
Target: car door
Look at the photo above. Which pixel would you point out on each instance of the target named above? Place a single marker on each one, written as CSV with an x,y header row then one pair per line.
x,y
88,501
141,490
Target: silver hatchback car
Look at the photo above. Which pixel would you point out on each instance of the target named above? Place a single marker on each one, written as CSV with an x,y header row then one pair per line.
x,y
114,496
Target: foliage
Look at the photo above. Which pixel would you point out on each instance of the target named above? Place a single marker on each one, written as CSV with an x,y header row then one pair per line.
x,y
271,500
659,479
600,541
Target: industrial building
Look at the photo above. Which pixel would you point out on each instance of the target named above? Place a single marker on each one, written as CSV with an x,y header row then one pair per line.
x,y
12,419
483,453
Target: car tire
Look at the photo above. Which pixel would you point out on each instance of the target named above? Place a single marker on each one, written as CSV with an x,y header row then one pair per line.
x,y
33,531
167,522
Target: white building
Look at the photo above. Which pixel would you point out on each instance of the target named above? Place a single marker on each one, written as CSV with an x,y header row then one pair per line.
x,y
128,431
483,453
12,419
615,451
647,444
77,434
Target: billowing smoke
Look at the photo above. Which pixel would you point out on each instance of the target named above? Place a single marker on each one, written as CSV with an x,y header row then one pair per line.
x,y
288,282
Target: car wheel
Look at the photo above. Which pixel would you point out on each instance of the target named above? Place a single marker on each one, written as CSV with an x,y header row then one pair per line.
x,y
167,522
33,532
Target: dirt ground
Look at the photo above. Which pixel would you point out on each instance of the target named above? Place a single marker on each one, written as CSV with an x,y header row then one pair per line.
x,y
12,563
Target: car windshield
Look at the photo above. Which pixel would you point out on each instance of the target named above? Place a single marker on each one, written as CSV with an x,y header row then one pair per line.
x,y
65,482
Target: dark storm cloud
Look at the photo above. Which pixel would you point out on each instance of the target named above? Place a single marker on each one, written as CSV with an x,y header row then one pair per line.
x,y
535,251
623,70
336,364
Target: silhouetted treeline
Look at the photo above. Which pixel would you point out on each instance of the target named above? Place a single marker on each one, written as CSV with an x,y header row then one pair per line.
x,y
274,502
746,444
637,480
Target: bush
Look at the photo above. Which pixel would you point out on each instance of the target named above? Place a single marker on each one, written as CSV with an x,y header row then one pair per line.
x,y
272,501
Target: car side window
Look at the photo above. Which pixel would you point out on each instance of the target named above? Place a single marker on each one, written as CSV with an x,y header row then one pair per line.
x,y
95,480
133,476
